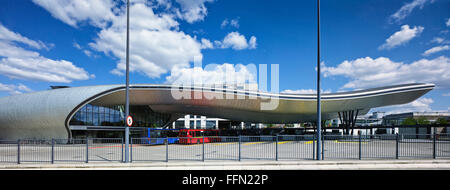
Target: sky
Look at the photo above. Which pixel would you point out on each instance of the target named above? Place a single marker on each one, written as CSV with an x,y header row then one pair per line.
x,y
364,44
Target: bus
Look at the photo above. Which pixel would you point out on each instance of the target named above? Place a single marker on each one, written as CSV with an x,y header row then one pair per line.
x,y
157,136
197,136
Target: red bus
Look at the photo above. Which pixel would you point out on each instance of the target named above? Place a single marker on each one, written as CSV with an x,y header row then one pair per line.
x,y
196,136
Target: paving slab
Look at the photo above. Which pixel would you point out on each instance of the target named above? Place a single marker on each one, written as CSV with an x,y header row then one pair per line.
x,y
244,165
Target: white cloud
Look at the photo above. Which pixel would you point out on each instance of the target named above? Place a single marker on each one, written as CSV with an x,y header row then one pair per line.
x,y
437,40
214,74
193,10
304,91
367,72
8,35
88,53
151,52
401,37
252,42
156,44
19,63
420,105
233,23
448,22
206,44
85,51
447,94
436,49
76,45
98,13
406,10
14,89
237,41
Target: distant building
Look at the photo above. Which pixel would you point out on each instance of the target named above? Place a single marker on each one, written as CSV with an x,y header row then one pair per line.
x,y
431,117
370,120
397,119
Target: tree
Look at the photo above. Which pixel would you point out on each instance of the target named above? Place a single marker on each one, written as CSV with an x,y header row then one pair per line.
x,y
422,121
441,120
409,121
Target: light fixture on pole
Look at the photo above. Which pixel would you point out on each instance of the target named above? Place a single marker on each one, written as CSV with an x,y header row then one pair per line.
x,y
127,101
319,128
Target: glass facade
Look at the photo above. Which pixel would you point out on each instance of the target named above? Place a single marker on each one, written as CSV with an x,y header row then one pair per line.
x,y
210,124
143,116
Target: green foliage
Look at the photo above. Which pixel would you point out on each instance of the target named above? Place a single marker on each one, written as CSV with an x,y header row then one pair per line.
x,y
289,125
422,121
441,120
409,121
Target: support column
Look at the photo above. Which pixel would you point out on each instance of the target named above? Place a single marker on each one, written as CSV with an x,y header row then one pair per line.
x,y
187,120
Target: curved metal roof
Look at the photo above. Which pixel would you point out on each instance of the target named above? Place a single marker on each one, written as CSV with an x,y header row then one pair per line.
x,y
47,113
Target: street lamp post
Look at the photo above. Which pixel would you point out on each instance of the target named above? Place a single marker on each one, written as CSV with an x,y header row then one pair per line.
x,y
319,130
127,101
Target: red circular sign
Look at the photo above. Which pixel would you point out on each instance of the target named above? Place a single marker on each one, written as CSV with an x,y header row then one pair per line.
x,y
129,121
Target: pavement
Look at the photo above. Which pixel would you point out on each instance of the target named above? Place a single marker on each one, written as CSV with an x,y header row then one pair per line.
x,y
244,165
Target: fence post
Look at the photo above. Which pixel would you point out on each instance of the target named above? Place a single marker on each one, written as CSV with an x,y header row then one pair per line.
x,y
276,149
167,149
434,145
359,146
314,146
53,151
322,149
18,151
239,147
203,149
396,146
131,149
87,149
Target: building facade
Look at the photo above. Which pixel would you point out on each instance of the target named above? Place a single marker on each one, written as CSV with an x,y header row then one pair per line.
x,y
64,112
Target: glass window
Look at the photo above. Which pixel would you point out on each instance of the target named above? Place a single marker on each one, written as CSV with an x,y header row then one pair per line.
x,y
199,124
143,116
210,124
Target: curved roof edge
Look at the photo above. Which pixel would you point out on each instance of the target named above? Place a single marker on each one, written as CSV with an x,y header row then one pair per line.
x,y
46,113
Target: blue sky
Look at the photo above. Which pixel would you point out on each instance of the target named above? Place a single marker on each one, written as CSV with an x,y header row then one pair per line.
x,y
365,44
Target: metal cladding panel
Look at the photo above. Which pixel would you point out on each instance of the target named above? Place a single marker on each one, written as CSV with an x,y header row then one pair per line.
x,y
247,105
46,114
42,114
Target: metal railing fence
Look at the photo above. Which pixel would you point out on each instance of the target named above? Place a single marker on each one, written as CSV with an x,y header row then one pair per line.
x,y
295,147
105,149
282,147
69,151
9,151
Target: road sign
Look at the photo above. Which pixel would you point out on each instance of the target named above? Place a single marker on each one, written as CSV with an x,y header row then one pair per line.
x,y
129,121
